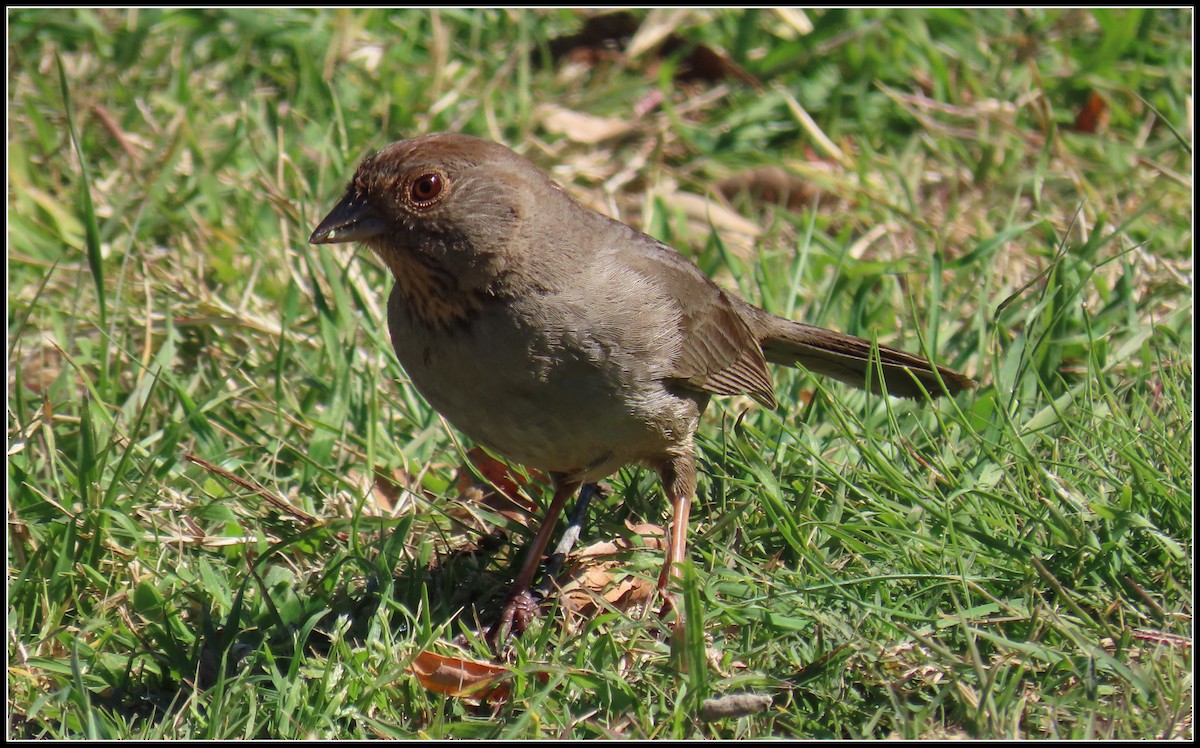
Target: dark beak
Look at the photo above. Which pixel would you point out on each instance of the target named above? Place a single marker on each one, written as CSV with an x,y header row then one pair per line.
x,y
351,220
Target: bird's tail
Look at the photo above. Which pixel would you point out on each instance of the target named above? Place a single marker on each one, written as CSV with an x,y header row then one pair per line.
x,y
848,359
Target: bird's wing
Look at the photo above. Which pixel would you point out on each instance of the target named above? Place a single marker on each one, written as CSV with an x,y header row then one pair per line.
x,y
720,354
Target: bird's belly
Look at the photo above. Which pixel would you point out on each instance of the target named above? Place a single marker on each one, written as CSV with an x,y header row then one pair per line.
x,y
543,400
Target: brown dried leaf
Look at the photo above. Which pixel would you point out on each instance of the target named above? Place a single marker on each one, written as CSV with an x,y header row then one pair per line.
x,y
645,528
1093,115
508,497
455,676
583,595
596,575
388,488
630,592
580,127
620,545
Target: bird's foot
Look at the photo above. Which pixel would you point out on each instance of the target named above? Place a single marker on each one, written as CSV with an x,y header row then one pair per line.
x,y
519,611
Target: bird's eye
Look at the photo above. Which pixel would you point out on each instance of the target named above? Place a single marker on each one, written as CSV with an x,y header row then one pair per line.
x,y
426,189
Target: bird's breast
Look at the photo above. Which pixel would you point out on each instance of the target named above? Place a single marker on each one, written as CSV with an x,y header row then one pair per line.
x,y
538,386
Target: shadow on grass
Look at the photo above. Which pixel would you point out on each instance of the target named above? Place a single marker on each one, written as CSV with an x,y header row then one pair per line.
x,y
191,654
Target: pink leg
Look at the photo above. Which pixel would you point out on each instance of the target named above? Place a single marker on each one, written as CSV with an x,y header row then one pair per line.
x,y
678,476
520,607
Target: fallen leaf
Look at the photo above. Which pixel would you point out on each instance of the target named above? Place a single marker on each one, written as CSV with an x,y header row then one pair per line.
x,y
596,580
508,495
1094,114
455,676
584,594
387,488
620,545
580,127
645,528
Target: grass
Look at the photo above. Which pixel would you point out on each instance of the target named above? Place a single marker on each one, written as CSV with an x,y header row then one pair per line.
x,y
230,516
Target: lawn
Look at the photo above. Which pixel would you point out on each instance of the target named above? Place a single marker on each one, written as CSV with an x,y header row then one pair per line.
x,y
231,516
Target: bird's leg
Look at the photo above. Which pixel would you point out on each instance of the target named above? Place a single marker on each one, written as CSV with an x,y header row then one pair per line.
x,y
554,561
678,474
520,606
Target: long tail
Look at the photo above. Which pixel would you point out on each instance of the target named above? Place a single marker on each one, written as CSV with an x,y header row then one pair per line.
x,y
848,359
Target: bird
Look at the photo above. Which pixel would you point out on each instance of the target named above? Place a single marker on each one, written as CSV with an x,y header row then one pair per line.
x,y
568,341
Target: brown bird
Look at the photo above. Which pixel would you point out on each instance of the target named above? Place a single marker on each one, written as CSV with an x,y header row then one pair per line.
x,y
565,340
